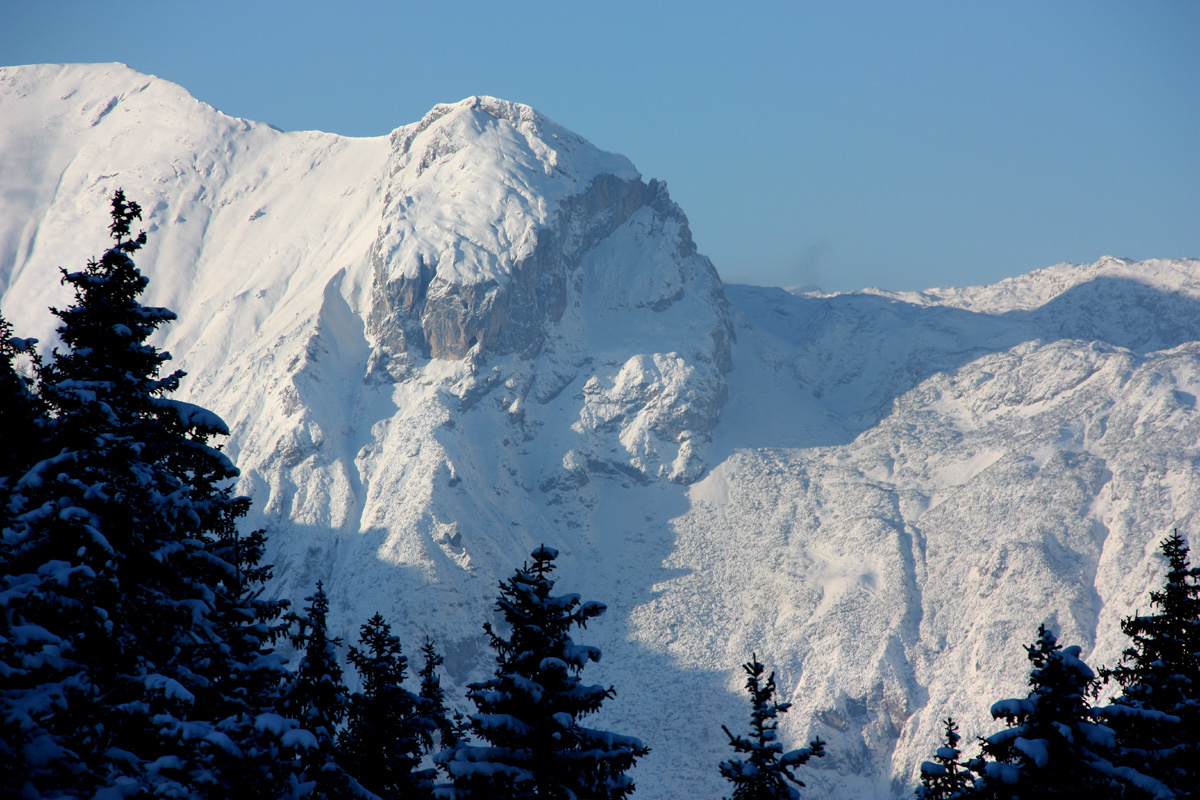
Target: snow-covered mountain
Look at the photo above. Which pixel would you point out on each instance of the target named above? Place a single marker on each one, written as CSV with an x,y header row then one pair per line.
x,y
440,348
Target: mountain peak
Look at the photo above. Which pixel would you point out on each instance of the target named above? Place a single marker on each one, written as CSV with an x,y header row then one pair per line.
x,y
440,348
489,208
497,137
493,106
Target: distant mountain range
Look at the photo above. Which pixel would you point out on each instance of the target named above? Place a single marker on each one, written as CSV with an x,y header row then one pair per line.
x,y
441,348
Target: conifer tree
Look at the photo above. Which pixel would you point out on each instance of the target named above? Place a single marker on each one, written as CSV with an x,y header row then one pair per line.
x,y
1157,715
23,442
767,772
1053,745
529,711
317,698
24,432
248,689
450,731
946,777
113,646
382,743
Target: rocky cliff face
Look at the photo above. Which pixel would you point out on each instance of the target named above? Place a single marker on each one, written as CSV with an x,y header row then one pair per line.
x,y
441,348
468,268
417,306
485,165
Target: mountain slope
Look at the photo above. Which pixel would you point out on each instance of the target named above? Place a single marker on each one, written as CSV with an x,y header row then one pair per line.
x,y
443,347
970,476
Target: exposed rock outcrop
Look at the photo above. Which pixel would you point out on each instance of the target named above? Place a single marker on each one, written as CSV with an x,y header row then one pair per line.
x,y
558,258
445,317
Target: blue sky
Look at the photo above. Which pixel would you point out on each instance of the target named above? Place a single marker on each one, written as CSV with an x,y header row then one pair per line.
x,y
850,144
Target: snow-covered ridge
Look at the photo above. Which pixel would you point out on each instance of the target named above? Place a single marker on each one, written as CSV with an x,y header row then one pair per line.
x,y
508,166
442,348
1035,289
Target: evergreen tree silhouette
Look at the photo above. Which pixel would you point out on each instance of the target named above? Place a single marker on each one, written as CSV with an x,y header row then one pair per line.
x,y
529,711
316,697
1157,715
382,743
113,647
946,777
24,433
249,686
450,731
767,772
1053,745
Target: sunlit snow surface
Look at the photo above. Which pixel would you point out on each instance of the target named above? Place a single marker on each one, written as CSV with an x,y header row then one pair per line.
x,y
881,494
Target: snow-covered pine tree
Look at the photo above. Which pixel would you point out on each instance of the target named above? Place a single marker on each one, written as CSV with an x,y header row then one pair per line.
x,y
113,643
529,711
450,731
1053,745
316,697
24,429
766,773
248,690
946,777
1157,715
23,434
387,724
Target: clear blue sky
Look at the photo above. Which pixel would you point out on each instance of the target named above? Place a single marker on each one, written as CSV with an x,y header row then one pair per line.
x,y
900,144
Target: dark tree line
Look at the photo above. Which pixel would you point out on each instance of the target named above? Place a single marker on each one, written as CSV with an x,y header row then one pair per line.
x,y
137,647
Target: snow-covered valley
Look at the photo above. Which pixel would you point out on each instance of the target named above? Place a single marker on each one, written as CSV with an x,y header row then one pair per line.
x,y
441,348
